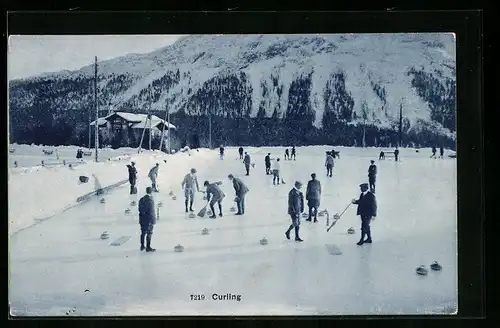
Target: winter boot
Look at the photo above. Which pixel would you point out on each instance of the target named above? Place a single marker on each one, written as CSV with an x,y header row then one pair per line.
x,y
287,233
297,238
142,242
369,239
191,206
148,244
361,241
186,203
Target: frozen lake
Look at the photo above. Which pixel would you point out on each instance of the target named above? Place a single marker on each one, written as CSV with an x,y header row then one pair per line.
x,y
62,267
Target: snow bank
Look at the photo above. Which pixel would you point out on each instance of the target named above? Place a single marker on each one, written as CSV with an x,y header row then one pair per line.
x,y
38,193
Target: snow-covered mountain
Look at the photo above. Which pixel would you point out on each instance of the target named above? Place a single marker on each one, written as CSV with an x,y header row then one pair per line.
x,y
342,78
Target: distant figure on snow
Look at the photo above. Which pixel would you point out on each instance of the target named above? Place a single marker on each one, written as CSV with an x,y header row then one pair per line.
x,y
367,209
247,162
313,196
287,154
396,154
276,171
79,154
132,177
241,190
433,152
267,161
214,195
335,154
147,219
221,151
189,183
153,175
329,162
372,175
294,153
441,151
381,155
240,151
295,208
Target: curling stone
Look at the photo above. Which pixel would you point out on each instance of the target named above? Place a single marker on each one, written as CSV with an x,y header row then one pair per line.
x,y
205,198
127,211
209,213
133,203
236,199
263,241
305,215
204,231
105,235
171,193
436,266
103,201
253,164
233,209
174,197
321,213
191,215
160,204
422,270
351,231
179,248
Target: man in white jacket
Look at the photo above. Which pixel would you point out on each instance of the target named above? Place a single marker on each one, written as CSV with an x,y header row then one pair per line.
x,y
189,183
276,168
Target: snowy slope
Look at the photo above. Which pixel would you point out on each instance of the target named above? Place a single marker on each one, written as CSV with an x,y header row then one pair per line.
x,y
202,61
84,275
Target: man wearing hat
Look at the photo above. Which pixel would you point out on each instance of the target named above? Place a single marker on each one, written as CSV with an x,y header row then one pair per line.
x,y
367,209
132,177
295,208
153,175
188,184
241,190
372,175
313,195
214,195
147,219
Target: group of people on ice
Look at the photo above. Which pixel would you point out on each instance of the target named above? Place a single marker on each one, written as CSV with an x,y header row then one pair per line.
x,y
132,177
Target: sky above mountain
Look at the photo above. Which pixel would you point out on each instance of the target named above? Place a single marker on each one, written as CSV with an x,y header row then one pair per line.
x,y
30,55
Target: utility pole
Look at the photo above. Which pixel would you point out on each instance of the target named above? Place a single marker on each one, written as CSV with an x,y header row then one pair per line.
x,y
209,129
96,113
168,130
150,133
400,123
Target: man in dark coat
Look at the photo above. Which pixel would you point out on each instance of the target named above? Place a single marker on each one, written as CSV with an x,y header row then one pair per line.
x,y
313,196
132,177
287,154
295,208
147,219
372,175
214,195
240,151
294,153
441,151
267,160
247,162
221,151
396,154
433,152
241,190
367,209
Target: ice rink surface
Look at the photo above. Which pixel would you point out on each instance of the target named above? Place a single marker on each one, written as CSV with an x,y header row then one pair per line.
x,y
61,266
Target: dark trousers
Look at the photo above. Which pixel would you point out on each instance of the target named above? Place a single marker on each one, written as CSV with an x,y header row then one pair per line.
x,y
295,224
313,210
241,204
146,232
247,167
395,157
212,203
268,168
133,190
371,182
329,170
365,227
241,155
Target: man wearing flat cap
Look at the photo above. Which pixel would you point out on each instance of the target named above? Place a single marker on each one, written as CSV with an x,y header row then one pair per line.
x,y
295,208
367,209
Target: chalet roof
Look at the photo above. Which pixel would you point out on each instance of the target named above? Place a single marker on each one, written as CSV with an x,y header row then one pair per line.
x,y
155,123
100,121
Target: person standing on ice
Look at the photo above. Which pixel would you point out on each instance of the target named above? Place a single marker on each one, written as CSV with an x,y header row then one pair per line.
x,y
214,195
287,154
132,177
372,175
153,175
433,152
241,190
294,152
329,162
396,154
189,183
367,209
295,208
247,162
221,151
240,151
441,151
267,161
276,171
147,219
313,196
381,156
